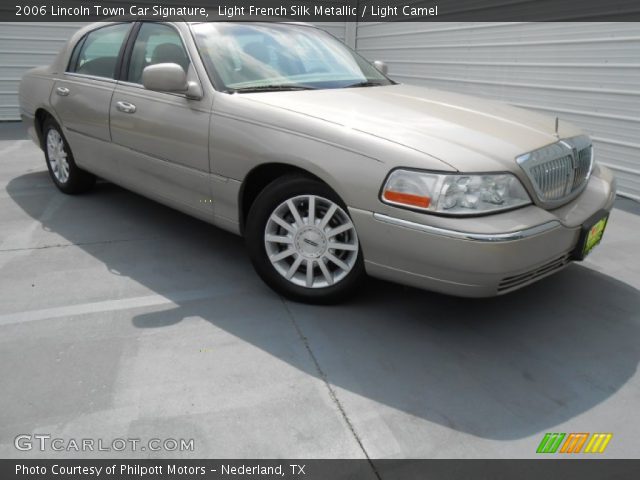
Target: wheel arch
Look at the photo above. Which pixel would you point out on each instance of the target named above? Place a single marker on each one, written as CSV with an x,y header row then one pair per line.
x,y
262,175
41,116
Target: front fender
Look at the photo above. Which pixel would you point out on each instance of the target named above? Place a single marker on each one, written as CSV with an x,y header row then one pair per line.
x,y
246,134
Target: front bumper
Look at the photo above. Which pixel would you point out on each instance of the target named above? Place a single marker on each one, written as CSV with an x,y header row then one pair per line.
x,y
470,257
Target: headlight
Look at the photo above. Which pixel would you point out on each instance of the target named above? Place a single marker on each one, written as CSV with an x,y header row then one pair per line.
x,y
454,194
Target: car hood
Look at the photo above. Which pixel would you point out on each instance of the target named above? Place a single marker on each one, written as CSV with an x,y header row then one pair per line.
x,y
468,133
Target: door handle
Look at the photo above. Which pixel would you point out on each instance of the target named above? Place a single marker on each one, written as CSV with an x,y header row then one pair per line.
x,y
126,107
62,91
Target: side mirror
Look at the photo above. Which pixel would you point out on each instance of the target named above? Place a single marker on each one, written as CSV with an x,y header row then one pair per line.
x,y
170,77
381,67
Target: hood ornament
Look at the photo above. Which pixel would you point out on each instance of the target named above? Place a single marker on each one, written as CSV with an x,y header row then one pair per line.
x,y
556,133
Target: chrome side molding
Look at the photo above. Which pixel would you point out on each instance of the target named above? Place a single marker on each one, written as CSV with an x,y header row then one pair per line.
x,y
478,237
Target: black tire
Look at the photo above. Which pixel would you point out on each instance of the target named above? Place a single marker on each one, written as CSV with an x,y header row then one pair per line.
x,y
270,199
78,180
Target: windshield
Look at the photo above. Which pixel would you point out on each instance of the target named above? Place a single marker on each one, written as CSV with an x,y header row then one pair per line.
x,y
263,56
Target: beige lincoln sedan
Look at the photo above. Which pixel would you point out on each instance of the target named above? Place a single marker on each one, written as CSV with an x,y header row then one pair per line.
x,y
329,169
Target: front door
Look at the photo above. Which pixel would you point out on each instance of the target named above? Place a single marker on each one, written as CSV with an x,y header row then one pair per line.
x,y
163,137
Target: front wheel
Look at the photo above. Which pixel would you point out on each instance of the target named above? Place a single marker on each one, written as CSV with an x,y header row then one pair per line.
x,y
302,241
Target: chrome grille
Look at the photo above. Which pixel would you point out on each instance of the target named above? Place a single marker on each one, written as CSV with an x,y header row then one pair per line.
x,y
560,171
551,177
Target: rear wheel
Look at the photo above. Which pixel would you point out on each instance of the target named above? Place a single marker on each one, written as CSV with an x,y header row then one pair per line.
x,y
64,172
302,241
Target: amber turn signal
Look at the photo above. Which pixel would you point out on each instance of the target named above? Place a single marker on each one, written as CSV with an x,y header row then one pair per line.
x,y
407,199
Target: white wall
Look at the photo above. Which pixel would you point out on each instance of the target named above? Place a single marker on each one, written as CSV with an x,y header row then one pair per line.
x,y
585,73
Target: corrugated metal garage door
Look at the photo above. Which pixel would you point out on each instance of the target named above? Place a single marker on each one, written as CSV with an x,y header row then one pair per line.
x,y
27,45
336,29
586,73
24,46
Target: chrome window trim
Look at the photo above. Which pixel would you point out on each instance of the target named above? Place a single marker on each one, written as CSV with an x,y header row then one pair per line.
x,y
90,77
141,87
478,237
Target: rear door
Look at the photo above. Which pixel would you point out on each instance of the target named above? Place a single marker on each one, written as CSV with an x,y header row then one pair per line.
x,y
163,137
81,98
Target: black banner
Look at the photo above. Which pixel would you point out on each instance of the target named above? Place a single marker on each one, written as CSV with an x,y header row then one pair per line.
x,y
583,469
322,11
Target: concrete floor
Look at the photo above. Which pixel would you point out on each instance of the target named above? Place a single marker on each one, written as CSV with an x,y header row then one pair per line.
x,y
120,318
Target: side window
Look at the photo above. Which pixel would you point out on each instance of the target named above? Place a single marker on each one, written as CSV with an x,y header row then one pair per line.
x,y
156,43
97,54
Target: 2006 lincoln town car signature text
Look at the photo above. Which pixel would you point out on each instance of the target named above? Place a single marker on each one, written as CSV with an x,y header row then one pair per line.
x,y
327,167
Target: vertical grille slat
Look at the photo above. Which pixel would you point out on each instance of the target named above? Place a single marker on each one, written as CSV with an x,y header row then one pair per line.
x,y
559,171
554,178
584,165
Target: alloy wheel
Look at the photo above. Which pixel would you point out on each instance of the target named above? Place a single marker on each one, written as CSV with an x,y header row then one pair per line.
x,y
57,156
311,241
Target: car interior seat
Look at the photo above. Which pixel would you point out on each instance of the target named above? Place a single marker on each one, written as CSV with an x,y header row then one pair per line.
x,y
170,53
100,67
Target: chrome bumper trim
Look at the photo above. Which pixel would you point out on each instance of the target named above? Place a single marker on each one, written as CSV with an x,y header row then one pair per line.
x,y
478,237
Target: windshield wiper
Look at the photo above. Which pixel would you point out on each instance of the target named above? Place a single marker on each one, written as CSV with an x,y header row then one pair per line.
x,y
366,83
269,88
